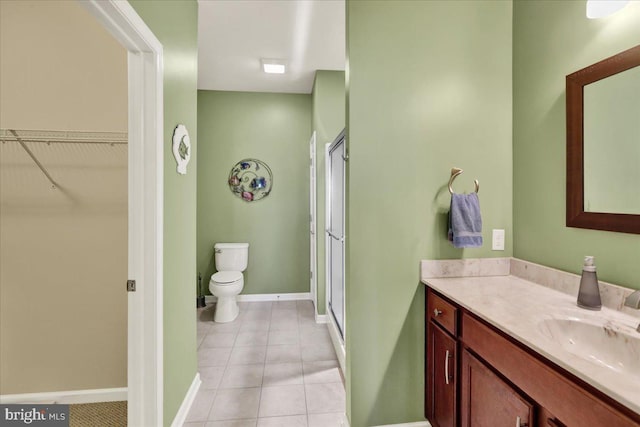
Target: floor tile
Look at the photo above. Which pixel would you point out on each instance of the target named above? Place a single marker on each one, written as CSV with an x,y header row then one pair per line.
x,y
213,356
242,376
326,420
235,403
255,325
304,305
286,337
283,325
317,352
283,353
206,314
290,421
199,341
232,423
310,336
323,398
219,339
285,305
201,405
251,338
247,355
257,305
282,400
282,374
211,376
289,315
225,327
263,315
321,372
195,424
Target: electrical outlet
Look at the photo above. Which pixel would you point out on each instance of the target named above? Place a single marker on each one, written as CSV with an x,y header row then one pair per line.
x,y
497,243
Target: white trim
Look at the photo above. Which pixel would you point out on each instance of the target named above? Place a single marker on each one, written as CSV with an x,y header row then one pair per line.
x,y
68,396
183,411
300,296
322,318
345,421
146,189
336,340
418,424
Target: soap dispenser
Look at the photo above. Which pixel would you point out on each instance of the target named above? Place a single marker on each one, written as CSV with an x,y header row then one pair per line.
x,y
589,293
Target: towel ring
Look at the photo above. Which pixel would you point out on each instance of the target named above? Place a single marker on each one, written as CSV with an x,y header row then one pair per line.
x,y
454,173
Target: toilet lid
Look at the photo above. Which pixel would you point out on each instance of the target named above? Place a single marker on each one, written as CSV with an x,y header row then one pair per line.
x,y
226,276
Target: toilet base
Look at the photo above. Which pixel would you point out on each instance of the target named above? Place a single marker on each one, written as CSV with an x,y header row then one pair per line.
x,y
226,310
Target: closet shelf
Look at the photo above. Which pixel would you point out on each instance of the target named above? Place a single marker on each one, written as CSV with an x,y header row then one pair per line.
x,y
64,137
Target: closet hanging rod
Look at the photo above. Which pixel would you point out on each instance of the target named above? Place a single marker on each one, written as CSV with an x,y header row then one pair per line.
x,y
64,137
35,159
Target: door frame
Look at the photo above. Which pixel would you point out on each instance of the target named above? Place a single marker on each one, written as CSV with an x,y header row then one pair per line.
x,y
145,380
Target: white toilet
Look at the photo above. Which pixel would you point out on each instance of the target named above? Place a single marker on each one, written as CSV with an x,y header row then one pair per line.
x,y
231,260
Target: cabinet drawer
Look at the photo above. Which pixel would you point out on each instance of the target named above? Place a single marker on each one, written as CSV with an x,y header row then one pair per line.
x,y
443,313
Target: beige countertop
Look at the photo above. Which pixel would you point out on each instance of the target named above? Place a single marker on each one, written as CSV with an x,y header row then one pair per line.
x,y
519,308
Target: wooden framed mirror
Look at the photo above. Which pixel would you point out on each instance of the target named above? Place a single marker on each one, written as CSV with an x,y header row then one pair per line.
x,y
603,144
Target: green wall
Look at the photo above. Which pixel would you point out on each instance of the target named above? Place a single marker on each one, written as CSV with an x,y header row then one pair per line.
x,y
175,24
429,88
328,119
553,39
274,128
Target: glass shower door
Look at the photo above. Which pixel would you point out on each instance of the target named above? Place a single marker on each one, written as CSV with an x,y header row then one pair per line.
x,y
335,231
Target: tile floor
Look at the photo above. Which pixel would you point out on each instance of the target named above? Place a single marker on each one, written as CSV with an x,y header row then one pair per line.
x,y
272,367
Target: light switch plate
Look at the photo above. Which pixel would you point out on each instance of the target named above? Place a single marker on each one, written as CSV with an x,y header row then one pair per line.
x,y
497,242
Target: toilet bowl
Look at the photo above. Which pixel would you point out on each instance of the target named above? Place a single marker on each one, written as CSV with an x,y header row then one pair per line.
x,y
231,260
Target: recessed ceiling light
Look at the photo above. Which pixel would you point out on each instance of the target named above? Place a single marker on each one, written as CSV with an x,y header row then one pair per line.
x,y
273,66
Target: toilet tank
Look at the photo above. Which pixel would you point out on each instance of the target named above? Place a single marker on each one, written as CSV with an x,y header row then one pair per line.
x,y
231,256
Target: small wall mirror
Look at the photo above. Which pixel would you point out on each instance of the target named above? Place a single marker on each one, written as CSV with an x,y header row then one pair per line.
x,y
603,144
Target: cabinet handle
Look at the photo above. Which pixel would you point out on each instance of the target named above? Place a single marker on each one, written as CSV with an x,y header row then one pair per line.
x,y
437,312
446,368
519,422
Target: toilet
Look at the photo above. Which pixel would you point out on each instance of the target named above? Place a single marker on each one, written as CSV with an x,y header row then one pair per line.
x,y
231,260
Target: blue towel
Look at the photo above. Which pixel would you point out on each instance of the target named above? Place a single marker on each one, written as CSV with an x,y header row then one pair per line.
x,y
465,222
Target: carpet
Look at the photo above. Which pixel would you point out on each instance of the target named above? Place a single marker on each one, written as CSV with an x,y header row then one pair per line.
x,y
102,414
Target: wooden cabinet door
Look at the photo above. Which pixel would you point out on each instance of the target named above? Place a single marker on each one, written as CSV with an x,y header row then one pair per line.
x,y
487,401
441,378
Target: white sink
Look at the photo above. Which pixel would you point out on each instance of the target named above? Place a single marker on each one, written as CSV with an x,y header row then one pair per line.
x,y
607,343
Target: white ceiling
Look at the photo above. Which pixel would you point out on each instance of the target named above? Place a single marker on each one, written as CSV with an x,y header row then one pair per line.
x,y
233,35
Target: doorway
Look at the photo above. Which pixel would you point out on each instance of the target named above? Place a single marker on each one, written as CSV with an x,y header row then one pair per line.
x,y
145,187
336,159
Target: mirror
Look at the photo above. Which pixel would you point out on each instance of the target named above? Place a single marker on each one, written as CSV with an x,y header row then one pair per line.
x,y
603,144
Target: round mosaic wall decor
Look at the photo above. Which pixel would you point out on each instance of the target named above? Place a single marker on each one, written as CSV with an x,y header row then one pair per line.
x,y
250,179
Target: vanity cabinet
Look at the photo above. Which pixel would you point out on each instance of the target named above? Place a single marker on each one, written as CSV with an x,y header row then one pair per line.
x,y
477,376
442,358
487,400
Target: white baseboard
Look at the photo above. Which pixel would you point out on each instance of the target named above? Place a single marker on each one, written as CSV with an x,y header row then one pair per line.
x,y
338,345
68,397
183,411
418,424
321,318
299,296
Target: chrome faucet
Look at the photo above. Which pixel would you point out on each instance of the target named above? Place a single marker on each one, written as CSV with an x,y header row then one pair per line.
x,y
633,301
